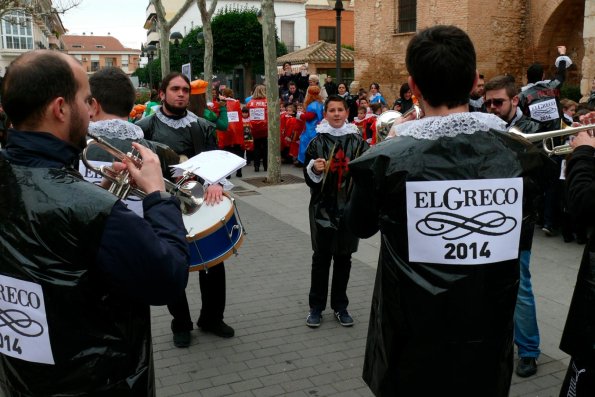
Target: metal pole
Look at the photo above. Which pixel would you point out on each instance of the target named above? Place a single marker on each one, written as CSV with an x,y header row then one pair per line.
x,y
339,8
150,74
190,59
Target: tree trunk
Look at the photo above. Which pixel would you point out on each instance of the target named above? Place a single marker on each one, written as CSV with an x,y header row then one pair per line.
x,y
205,17
269,42
164,28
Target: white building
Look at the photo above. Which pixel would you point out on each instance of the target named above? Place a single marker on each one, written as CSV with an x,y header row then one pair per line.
x,y
26,29
290,19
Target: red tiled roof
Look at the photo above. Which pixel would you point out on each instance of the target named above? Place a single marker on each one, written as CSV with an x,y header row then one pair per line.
x,y
319,52
93,43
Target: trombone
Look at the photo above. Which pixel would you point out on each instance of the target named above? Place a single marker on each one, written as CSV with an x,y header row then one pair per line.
x,y
190,193
548,136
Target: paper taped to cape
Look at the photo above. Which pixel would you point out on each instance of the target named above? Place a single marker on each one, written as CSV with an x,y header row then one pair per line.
x,y
212,166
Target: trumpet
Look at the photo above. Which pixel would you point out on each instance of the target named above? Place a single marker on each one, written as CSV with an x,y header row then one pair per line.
x,y
547,138
385,121
190,193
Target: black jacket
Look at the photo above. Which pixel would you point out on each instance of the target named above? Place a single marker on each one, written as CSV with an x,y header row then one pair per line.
x,y
98,266
578,338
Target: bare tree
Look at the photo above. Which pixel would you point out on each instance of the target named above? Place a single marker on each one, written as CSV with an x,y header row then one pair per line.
x,y
269,43
36,6
205,17
37,9
164,27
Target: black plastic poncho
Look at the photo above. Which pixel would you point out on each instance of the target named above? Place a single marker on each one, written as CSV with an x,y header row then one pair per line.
x,y
64,331
329,198
439,329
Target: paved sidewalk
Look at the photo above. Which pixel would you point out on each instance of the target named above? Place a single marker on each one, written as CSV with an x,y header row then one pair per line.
x,y
275,354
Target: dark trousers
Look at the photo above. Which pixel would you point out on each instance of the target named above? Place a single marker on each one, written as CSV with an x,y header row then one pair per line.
x,y
261,152
212,293
321,263
579,380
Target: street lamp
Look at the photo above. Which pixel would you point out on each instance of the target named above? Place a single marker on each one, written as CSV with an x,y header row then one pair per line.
x,y
175,37
150,52
338,7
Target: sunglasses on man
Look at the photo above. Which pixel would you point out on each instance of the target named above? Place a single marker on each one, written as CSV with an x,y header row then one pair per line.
x,y
496,101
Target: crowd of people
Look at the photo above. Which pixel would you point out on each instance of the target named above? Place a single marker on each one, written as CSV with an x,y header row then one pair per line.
x,y
455,194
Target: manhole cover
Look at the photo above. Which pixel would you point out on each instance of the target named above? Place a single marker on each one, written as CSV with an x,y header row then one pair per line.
x,y
286,179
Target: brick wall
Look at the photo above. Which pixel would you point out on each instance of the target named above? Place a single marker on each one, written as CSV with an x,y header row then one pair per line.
x,y
509,35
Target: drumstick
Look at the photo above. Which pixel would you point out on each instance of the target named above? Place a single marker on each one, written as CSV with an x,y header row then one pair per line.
x,y
328,165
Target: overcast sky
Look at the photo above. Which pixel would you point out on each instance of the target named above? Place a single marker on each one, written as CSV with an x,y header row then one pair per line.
x,y
123,19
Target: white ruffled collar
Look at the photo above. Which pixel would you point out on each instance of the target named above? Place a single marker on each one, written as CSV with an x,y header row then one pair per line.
x,y
116,129
432,128
325,128
176,123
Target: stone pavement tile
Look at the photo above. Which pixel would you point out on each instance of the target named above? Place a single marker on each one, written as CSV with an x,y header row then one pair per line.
x,y
195,385
244,385
173,390
269,391
549,392
222,390
524,388
297,385
253,373
224,379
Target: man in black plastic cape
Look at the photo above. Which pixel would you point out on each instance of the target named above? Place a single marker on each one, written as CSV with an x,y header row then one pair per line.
x,y
450,195
78,269
540,98
327,174
578,338
188,134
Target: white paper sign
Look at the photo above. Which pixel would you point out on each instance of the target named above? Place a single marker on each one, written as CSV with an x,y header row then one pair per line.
x,y
466,222
544,111
257,114
233,117
212,166
134,203
24,332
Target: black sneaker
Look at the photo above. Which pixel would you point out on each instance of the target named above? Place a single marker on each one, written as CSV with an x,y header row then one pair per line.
x,y
344,318
220,329
182,339
526,367
548,230
314,318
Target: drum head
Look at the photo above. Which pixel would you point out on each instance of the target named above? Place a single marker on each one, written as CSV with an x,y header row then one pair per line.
x,y
208,219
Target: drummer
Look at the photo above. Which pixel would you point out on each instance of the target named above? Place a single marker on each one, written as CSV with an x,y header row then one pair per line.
x,y
189,135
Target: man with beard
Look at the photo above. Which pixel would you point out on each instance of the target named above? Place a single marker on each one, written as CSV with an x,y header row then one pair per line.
x,y
82,268
501,99
113,97
441,321
187,134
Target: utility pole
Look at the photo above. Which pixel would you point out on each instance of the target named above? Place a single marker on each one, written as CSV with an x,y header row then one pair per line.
x,y
269,43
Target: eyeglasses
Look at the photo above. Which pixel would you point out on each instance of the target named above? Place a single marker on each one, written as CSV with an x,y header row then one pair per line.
x,y
496,101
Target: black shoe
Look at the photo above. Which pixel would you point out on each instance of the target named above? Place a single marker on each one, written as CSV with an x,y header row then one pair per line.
x,y
314,318
526,367
239,173
220,329
568,238
256,169
344,318
182,339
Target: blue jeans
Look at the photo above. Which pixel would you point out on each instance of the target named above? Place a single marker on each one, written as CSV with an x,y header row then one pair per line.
x,y
526,333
